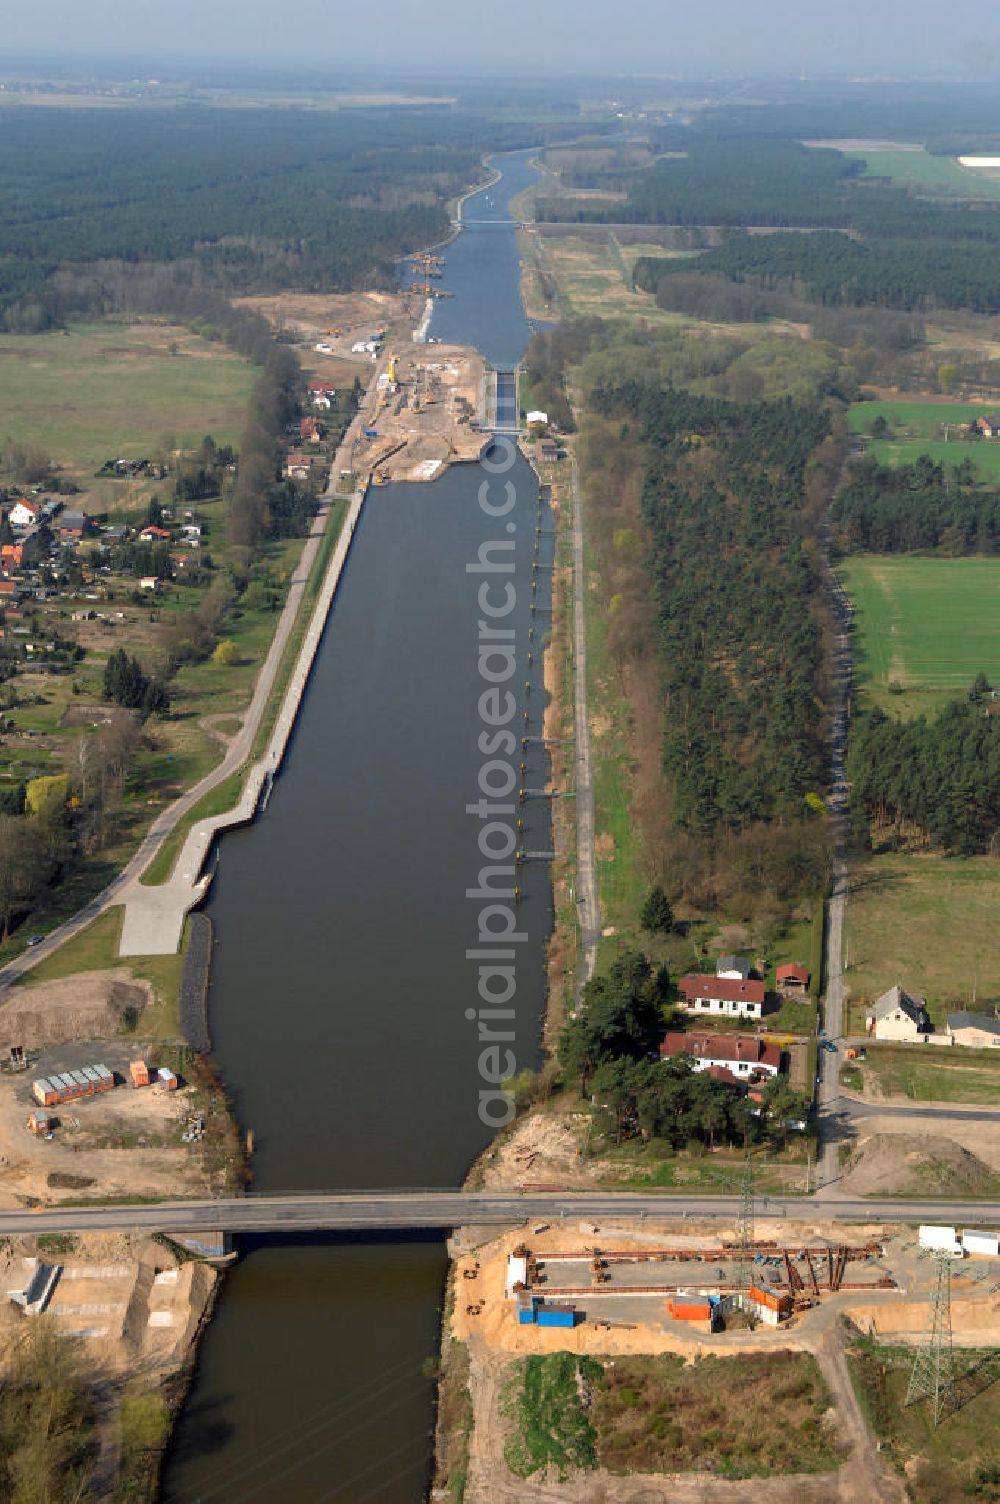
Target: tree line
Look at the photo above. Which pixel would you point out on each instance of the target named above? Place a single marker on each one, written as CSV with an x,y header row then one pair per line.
x,y
831,269
927,782
925,505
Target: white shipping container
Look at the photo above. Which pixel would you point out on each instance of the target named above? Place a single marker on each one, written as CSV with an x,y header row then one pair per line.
x,y
517,1274
975,1240
940,1238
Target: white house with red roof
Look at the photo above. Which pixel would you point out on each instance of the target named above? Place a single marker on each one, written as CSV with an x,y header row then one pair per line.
x,y
24,513
732,997
740,1058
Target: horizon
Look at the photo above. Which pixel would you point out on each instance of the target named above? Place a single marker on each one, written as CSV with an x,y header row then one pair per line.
x,y
887,40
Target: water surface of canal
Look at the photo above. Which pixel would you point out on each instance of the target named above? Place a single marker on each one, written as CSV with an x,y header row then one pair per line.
x,y
340,980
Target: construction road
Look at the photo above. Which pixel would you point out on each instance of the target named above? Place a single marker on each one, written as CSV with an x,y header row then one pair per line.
x,y
346,1211
588,899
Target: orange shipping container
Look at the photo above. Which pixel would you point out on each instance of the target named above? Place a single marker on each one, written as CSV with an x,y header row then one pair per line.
x,y
689,1310
139,1071
769,1298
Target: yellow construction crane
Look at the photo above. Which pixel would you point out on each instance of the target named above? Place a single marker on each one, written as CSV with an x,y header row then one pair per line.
x,y
393,366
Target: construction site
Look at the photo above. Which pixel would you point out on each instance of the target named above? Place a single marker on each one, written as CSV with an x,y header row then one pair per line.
x,y
426,414
646,1304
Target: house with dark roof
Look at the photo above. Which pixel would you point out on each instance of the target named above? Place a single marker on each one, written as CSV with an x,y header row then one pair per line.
x,y
898,1015
733,997
737,967
976,1031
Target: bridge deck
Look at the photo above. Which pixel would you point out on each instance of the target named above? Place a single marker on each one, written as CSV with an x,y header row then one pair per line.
x,y
413,1210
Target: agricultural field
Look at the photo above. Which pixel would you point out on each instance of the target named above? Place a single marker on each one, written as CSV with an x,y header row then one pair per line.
x,y
952,1463
928,923
940,177
102,390
918,428
925,627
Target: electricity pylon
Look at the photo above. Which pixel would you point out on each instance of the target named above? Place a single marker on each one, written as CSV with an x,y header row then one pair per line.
x,y
933,1376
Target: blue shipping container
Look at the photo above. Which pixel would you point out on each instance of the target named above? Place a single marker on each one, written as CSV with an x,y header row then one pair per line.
x,y
546,1316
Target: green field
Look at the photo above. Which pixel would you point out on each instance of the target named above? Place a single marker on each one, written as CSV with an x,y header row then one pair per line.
x,y
105,390
928,923
919,428
933,176
928,625
937,1075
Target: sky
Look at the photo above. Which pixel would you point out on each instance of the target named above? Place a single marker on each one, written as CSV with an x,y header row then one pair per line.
x,y
658,36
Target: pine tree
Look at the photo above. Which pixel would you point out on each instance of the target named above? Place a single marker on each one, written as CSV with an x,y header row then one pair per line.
x,y
657,916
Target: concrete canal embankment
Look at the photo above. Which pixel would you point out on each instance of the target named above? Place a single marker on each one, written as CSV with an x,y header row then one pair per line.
x,y
154,916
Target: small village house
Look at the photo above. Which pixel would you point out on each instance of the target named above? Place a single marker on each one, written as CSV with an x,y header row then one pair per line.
x,y
537,419
989,427
547,451
72,525
154,534
792,979
297,467
24,513
149,582
976,1031
897,1015
729,996
310,430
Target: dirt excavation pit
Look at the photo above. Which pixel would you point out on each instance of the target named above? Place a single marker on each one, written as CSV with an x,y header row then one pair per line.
x,y
124,1142
91,1005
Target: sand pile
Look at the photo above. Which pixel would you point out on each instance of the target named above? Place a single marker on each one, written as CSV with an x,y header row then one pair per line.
x,y
925,1164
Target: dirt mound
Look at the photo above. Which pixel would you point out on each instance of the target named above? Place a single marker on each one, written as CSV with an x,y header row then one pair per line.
x,y
888,1164
93,1005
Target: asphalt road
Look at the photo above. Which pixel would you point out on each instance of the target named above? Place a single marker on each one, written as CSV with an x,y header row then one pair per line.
x,y
411,1210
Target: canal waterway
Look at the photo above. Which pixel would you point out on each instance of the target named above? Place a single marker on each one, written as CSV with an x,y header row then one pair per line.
x,y
341,987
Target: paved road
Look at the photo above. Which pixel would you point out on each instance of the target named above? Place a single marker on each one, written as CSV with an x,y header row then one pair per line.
x,y
586,861
833,1006
409,1210
852,1107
